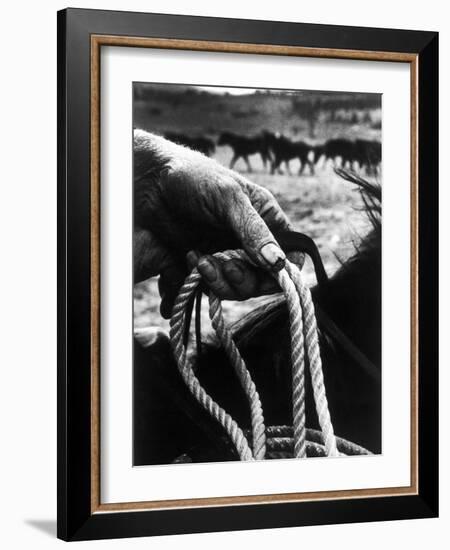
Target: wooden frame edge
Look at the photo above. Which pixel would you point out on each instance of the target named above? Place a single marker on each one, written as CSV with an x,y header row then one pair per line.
x,y
281,498
261,49
235,47
95,273
414,273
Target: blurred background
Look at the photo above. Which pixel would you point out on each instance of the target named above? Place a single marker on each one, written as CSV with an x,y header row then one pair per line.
x,y
320,204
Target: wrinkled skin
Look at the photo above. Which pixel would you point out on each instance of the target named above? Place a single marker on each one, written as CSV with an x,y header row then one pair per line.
x,y
188,206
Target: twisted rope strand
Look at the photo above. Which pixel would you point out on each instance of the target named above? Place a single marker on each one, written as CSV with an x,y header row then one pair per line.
x,y
298,363
177,325
177,329
304,338
279,439
315,361
256,411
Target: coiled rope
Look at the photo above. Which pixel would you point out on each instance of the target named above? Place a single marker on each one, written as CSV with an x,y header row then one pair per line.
x,y
304,344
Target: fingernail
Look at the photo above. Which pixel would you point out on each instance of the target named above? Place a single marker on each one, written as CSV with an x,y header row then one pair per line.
x,y
234,272
273,255
208,270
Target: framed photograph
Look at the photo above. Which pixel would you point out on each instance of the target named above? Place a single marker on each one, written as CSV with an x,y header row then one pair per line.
x,y
247,242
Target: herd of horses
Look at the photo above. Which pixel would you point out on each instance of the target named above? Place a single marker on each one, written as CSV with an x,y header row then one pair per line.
x,y
276,149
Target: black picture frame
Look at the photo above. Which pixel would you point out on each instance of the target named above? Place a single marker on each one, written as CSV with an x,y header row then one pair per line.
x,y
76,519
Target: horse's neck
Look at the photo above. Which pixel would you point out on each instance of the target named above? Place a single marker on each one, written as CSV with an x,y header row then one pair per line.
x,y
352,298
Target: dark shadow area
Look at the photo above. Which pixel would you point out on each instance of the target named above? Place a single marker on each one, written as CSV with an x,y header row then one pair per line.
x,y
46,526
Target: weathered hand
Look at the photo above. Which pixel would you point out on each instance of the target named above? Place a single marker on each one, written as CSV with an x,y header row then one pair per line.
x,y
186,202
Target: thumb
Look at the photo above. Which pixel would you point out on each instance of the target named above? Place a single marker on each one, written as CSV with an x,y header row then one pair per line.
x,y
256,238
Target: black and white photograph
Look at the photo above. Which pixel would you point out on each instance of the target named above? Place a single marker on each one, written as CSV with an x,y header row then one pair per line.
x,y
257,225
247,275
224,287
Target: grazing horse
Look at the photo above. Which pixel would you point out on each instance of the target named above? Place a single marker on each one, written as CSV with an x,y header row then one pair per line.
x,y
368,154
201,144
244,146
339,148
318,152
285,150
169,423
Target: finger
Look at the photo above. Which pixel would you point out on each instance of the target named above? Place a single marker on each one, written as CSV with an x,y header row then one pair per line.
x,y
266,205
257,239
150,257
192,258
169,284
246,280
270,211
211,271
241,277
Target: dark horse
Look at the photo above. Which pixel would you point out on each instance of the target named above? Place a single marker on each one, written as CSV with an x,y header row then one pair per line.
x,y
366,153
284,150
168,423
244,146
338,149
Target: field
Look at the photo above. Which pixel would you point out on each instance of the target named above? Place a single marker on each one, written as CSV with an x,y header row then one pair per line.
x,y
323,205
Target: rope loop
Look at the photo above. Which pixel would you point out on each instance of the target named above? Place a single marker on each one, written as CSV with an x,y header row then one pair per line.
x,y
304,348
